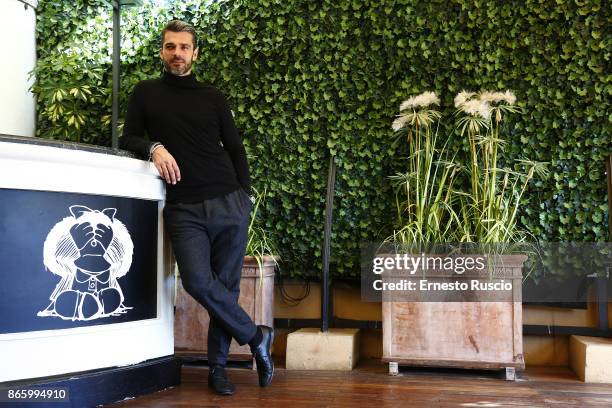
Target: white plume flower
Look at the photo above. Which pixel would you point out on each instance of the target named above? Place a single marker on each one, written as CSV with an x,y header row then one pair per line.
x,y
420,101
400,122
494,97
476,107
462,97
510,97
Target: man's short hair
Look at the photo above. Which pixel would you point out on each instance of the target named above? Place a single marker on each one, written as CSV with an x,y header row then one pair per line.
x,y
179,26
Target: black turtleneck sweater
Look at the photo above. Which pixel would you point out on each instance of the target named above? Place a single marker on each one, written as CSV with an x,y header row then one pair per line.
x,y
195,124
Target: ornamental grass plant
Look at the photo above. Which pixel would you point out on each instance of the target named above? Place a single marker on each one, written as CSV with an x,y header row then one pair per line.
x,y
433,206
259,242
424,192
490,206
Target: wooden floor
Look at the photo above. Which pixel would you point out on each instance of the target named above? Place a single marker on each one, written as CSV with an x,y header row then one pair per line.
x,y
370,386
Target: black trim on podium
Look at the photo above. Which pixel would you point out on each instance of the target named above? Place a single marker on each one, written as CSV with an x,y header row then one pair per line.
x,y
38,141
109,385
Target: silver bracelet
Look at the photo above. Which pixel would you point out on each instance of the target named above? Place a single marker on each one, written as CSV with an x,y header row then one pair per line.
x,y
153,148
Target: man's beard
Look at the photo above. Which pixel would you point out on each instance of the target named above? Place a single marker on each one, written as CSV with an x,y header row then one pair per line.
x,y
177,70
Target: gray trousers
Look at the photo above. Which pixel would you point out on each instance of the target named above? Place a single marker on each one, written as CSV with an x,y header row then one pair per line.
x,y
209,240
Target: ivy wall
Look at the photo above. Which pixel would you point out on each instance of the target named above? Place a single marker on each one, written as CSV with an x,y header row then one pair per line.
x,y
313,79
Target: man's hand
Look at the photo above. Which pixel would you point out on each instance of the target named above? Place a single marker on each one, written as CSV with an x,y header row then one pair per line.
x,y
166,165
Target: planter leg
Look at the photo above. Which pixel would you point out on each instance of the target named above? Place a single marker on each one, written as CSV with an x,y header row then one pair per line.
x,y
510,374
393,368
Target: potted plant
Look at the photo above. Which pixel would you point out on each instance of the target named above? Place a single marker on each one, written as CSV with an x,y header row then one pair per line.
x,y
433,208
256,295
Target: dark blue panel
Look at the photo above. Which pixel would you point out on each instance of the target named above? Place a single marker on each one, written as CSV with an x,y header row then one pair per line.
x,y
105,386
71,260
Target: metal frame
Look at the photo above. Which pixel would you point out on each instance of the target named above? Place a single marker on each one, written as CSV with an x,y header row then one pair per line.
x,y
117,63
116,73
27,4
609,174
529,329
336,322
327,311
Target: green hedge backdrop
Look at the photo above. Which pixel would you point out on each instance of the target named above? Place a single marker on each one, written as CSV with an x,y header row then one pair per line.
x,y
310,79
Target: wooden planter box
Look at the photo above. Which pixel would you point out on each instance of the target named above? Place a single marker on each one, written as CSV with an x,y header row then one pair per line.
x,y
191,319
471,334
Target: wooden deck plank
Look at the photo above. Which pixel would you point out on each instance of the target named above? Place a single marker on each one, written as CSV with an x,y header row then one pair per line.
x,y
370,386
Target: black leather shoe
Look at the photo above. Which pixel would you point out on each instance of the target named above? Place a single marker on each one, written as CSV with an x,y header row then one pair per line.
x,y
263,356
217,380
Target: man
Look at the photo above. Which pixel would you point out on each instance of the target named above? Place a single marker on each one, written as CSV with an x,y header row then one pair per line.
x,y
195,146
